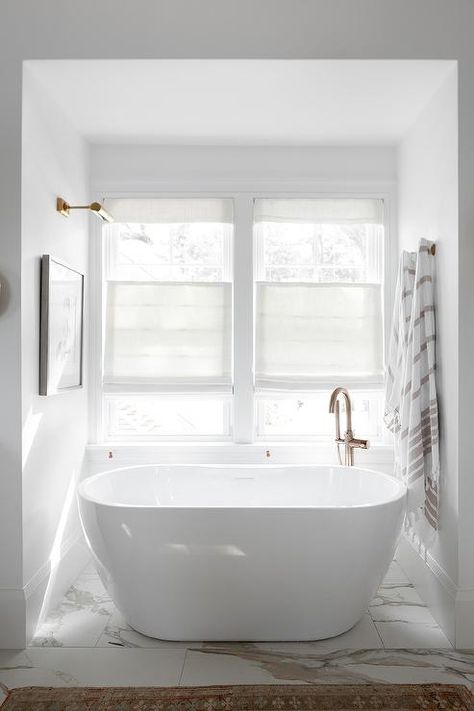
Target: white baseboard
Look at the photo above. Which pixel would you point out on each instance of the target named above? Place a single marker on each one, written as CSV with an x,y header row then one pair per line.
x,y
12,616
465,619
433,585
451,606
21,609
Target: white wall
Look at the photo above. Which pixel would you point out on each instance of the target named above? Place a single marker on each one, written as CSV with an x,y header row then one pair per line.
x,y
54,163
428,207
351,29
155,167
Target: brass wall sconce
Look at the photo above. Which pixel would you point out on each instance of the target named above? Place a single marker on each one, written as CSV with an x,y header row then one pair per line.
x,y
64,208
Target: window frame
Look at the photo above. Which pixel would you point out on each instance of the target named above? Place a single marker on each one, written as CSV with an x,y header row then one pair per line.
x,y
244,397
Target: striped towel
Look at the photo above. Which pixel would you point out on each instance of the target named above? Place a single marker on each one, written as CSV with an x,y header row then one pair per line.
x,y
411,409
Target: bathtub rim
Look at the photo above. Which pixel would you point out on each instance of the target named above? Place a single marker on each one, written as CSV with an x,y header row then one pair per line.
x,y
81,495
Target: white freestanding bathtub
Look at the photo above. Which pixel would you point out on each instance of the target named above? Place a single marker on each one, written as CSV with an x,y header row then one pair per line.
x,y
242,552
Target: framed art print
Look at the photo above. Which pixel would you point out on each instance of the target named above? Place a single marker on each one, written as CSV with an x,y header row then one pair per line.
x,y
61,327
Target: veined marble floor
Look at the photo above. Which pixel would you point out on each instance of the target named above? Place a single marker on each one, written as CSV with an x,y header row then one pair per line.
x,y
85,641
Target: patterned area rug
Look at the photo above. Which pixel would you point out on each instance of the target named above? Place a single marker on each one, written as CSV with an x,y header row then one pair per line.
x,y
394,697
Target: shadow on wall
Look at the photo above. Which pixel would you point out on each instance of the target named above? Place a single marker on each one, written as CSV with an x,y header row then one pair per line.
x,y
55,518
4,295
57,551
9,285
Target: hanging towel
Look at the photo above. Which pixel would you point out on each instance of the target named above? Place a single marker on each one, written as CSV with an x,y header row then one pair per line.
x,y
411,410
398,346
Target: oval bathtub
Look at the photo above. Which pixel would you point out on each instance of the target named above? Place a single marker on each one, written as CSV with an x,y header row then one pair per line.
x,y
242,552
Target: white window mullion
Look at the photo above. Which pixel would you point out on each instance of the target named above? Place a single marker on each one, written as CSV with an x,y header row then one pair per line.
x,y
95,305
244,430
375,253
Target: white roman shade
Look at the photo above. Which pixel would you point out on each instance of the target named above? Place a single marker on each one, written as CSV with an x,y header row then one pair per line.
x,y
170,210
168,332
338,211
314,332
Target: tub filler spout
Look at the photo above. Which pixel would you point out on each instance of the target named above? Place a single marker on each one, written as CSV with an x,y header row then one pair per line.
x,y
348,440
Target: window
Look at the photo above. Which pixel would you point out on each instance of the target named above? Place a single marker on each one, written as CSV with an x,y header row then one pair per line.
x,y
305,415
167,366
318,313
188,353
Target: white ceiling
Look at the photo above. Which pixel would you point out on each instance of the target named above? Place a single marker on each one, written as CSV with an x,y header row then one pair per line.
x,y
241,102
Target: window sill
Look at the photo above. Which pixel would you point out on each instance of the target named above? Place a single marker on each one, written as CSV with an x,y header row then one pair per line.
x,y
129,454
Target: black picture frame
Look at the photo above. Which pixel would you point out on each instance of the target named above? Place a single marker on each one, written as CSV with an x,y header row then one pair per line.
x,y
61,327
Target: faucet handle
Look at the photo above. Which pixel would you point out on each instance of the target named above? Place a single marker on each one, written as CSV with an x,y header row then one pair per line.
x,y
359,443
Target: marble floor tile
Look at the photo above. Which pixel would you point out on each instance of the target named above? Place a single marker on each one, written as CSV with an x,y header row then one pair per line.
x,y
207,669
399,603
80,619
17,669
395,574
91,592
13,658
403,620
411,635
237,663
93,667
395,594
404,614
414,666
118,633
90,569
246,664
363,635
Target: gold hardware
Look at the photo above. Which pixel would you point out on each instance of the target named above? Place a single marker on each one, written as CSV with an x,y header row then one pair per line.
x,y
349,441
433,249
64,208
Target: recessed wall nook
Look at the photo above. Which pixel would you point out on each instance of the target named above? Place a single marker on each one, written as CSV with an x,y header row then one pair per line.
x,y
240,396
